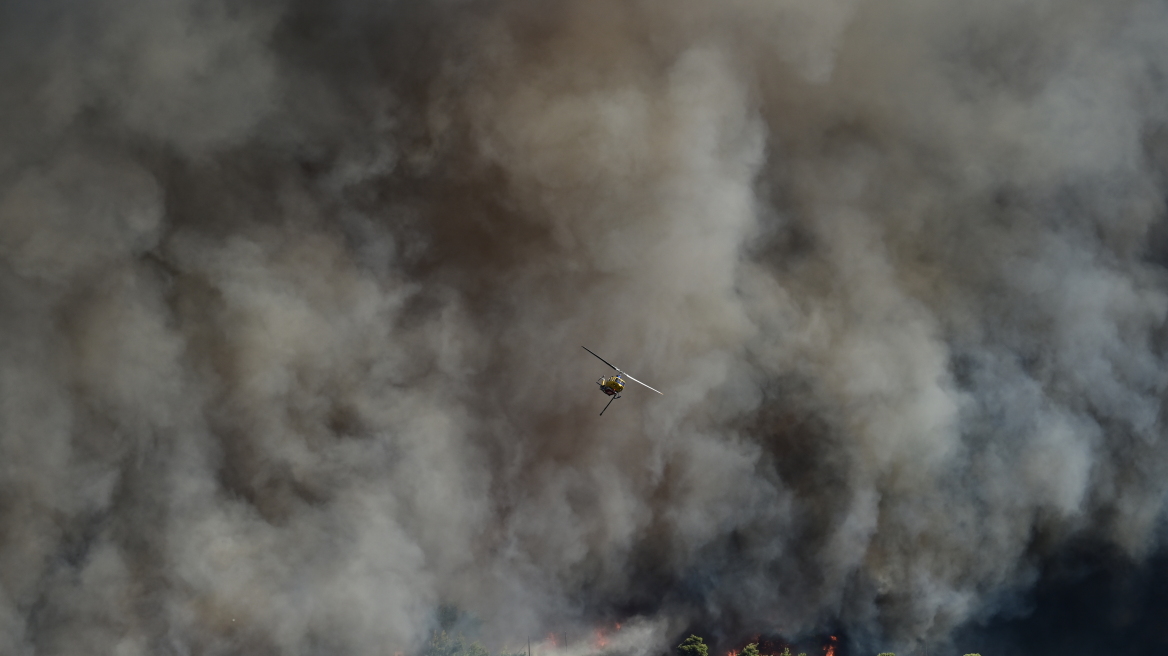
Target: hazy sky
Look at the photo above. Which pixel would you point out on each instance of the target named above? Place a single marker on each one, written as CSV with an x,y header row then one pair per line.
x,y
292,296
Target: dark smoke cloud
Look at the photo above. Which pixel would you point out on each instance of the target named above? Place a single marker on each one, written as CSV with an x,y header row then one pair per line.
x,y
294,292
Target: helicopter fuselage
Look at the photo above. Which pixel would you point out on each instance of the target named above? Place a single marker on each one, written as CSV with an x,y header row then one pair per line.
x,y
611,385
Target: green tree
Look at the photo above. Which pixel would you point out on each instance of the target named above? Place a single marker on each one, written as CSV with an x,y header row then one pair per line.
x,y
693,646
973,655
750,650
887,653
443,644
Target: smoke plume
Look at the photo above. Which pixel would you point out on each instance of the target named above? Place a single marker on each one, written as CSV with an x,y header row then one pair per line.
x,y
294,292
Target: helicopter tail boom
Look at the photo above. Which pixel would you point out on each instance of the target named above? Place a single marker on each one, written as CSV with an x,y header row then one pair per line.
x,y
608,404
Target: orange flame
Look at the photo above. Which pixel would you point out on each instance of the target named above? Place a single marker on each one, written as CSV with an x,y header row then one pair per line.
x,y
830,649
601,640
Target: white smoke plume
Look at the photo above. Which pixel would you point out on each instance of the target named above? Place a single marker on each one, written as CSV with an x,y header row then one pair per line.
x,y
293,298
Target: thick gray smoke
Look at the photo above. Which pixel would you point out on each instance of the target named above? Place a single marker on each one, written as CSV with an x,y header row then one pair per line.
x,y
293,296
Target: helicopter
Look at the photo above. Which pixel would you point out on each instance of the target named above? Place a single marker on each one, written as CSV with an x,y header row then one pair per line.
x,y
614,385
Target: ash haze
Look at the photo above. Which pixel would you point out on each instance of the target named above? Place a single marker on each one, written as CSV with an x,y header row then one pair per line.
x,y
293,295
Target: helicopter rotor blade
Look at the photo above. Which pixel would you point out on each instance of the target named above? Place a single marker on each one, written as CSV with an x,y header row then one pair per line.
x,y
602,360
606,405
638,382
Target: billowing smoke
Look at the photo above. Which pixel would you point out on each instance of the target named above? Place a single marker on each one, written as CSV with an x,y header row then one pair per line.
x,y
294,292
